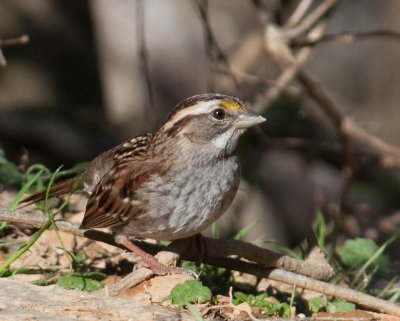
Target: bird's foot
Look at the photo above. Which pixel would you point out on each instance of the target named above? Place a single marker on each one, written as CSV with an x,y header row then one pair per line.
x,y
152,263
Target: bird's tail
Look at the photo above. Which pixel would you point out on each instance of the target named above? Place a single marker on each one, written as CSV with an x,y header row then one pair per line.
x,y
58,189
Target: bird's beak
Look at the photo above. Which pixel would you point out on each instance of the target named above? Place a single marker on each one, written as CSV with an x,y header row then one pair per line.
x,y
248,119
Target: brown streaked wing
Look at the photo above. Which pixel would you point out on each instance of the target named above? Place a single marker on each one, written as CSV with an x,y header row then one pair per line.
x,y
103,163
110,204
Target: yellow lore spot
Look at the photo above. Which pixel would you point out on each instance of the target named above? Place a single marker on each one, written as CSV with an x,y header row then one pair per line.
x,y
230,104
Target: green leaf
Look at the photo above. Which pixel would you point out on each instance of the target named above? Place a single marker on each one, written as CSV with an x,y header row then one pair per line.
x,y
315,304
253,300
9,173
190,291
215,278
340,306
357,251
95,276
3,224
3,159
79,257
188,265
260,300
277,309
79,281
239,297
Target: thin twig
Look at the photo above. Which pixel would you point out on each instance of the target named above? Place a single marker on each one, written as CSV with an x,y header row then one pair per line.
x,y
316,93
278,49
215,54
386,154
264,100
346,37
244,58
310,20
22,40
277,46
298,13
3,61
389,155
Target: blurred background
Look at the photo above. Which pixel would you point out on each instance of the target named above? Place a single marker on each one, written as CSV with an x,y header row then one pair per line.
x,y
96,72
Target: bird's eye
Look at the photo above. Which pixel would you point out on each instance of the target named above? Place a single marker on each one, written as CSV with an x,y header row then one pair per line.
x,y
219,113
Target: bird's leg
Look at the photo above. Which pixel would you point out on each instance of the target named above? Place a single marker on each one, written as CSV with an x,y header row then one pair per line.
x,y
150,260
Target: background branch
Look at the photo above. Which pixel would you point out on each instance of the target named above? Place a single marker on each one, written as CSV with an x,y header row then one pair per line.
x,y
314,17
216,57
346,38
143,53
22,40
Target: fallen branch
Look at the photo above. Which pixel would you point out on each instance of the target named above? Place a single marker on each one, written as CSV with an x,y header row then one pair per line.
x,y
215,247
336,291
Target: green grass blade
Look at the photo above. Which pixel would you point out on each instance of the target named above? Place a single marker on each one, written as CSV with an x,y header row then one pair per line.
x,y
395,297
373,257
319,227
245,230
194,312
292,296
214,230
388,287
34,237
52,215
74,170
24,189
292,253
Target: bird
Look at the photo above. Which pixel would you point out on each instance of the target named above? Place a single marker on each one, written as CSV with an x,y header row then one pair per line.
x,y
170,184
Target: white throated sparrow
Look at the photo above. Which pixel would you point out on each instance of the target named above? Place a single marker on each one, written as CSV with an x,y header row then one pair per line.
x,y
170,184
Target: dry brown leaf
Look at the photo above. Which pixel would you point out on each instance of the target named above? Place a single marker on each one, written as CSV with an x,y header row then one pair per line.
x,y
160,287
238,312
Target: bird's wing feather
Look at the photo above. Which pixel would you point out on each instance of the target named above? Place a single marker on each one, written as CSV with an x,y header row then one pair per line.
x,y
112,202
100,165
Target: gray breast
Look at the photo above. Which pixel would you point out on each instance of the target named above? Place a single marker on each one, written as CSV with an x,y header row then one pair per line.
x,y
186,200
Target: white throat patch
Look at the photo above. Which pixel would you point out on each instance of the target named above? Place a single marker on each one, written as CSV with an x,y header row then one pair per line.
x,y
221,141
